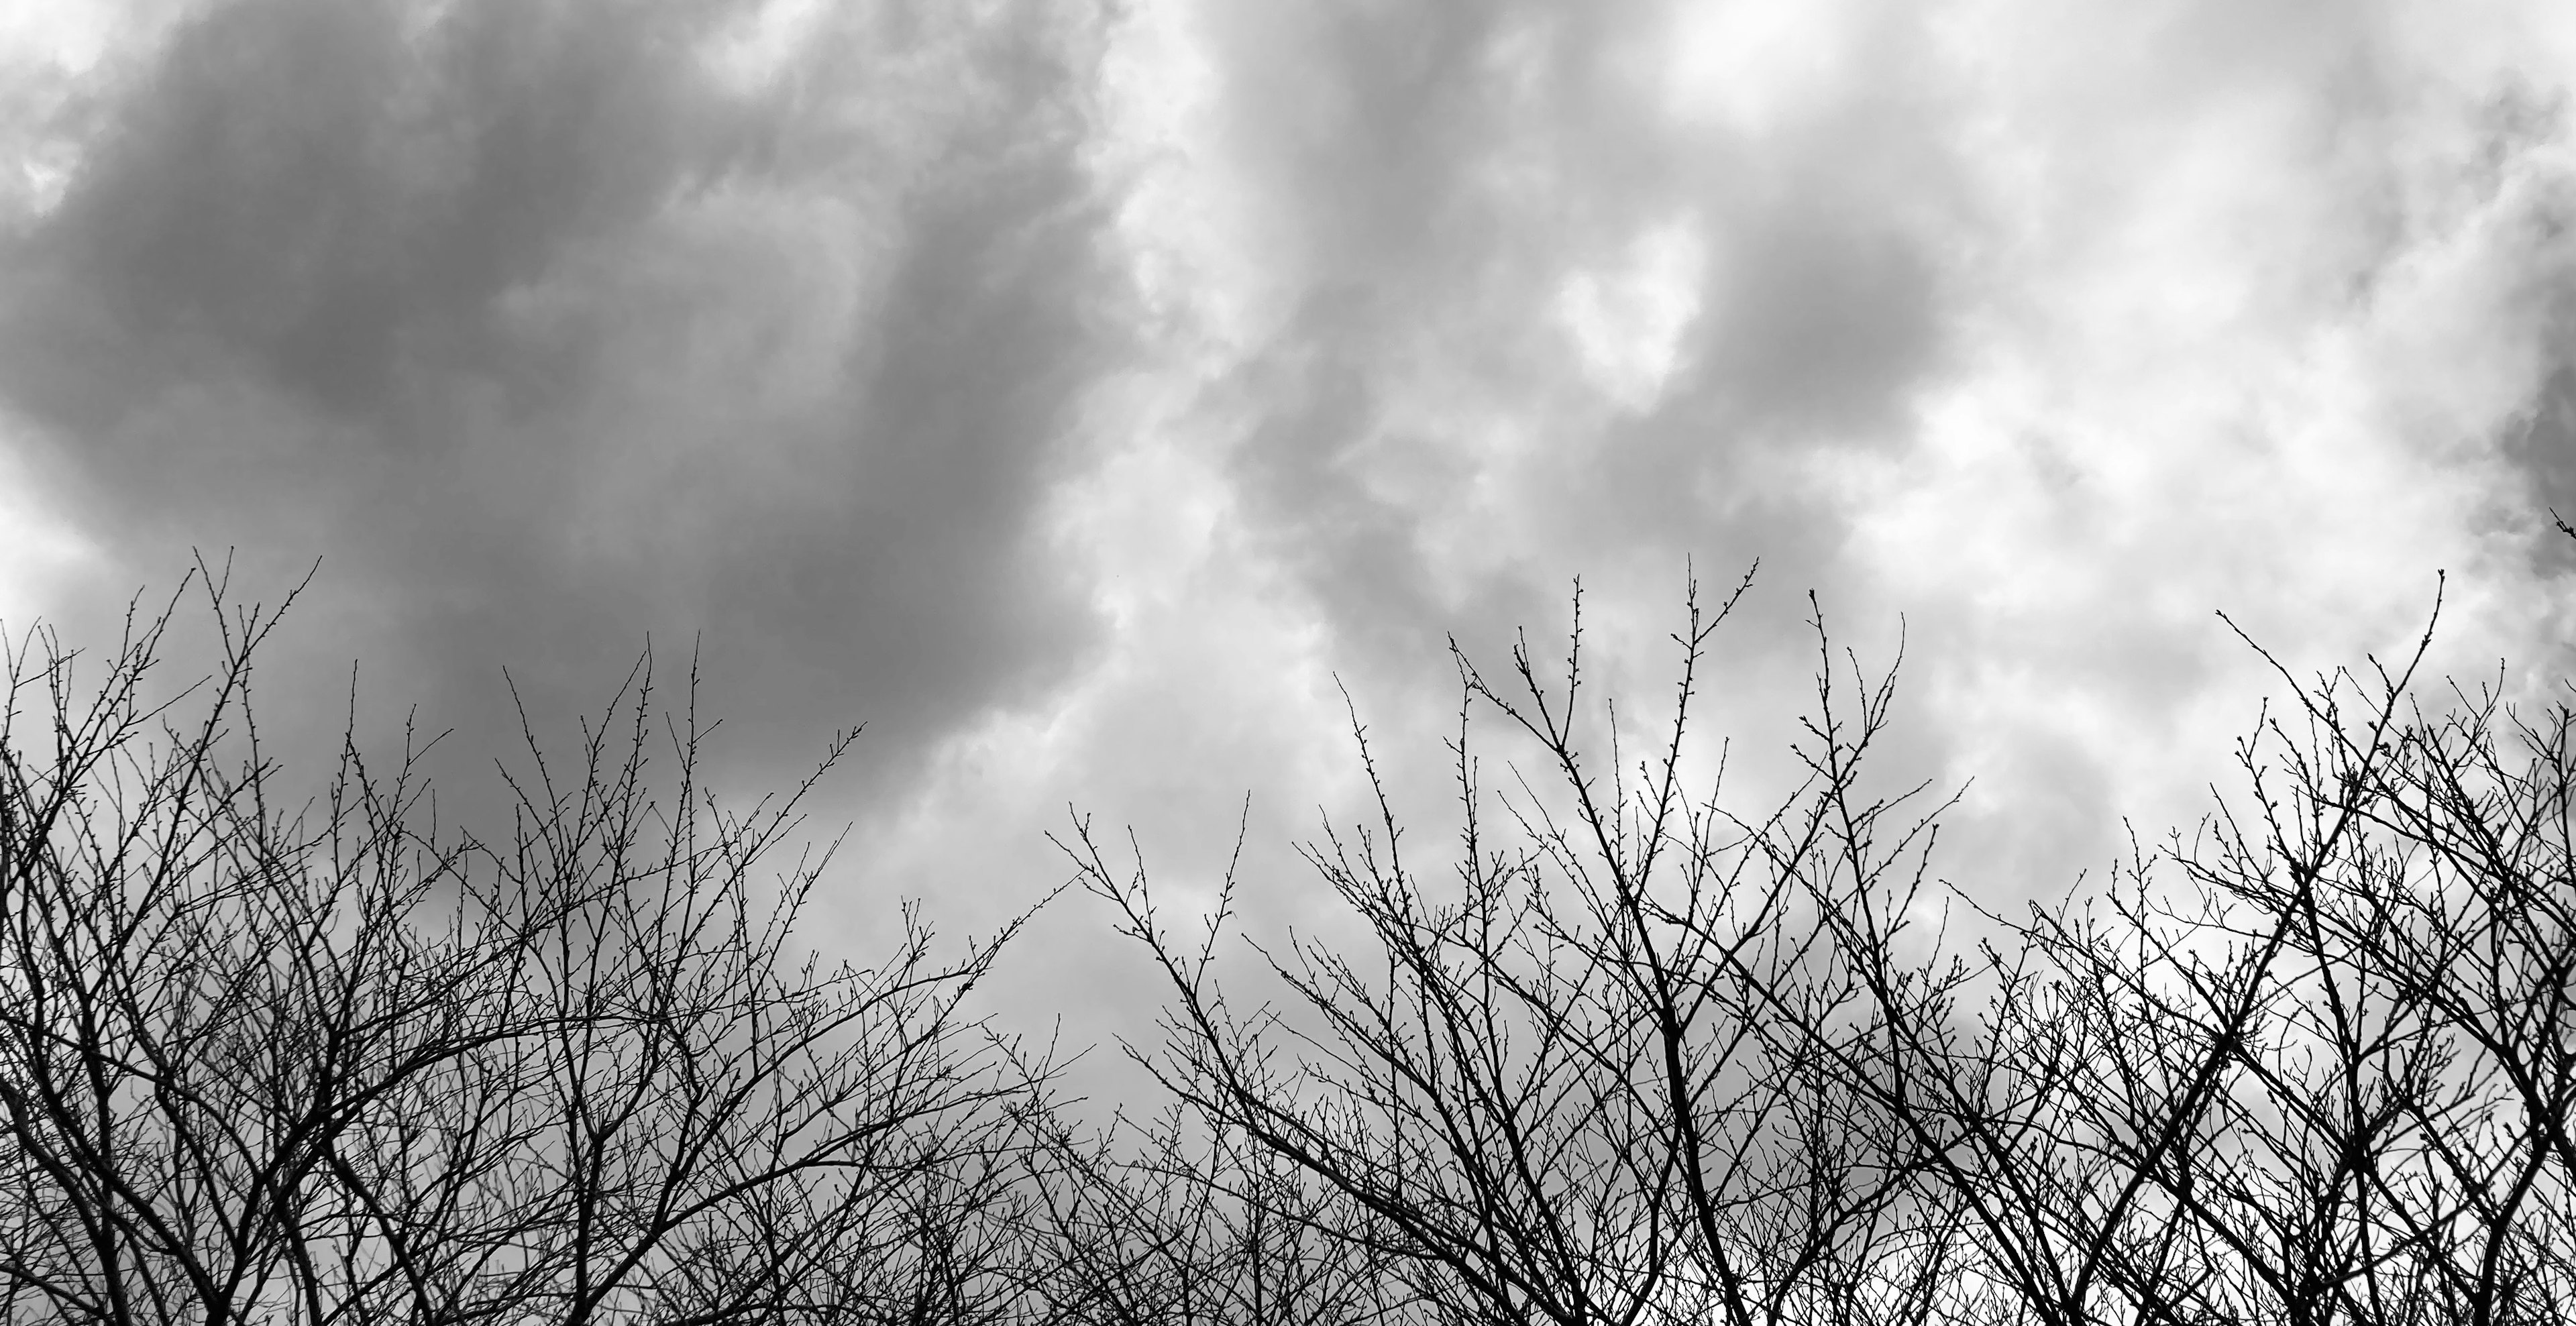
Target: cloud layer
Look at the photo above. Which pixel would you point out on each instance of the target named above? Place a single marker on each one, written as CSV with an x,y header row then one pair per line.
x,y
1073,393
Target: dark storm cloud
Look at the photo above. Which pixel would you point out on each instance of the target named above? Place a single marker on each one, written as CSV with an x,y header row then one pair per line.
x,y
545,331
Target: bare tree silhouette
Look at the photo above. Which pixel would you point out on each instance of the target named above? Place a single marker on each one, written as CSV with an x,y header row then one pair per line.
x,y
1629,1055
319,1063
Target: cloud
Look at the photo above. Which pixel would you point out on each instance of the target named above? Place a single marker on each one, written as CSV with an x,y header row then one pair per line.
x,y
1085,397
2053,333
546,327
1509,316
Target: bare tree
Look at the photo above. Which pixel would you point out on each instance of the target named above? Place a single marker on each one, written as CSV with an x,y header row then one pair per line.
x,y
2310,1063
1163,1223
1558,1088
323,1063
1645,1059
1634,1056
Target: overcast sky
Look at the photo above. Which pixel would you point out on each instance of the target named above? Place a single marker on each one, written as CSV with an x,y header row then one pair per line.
x,y
1071,392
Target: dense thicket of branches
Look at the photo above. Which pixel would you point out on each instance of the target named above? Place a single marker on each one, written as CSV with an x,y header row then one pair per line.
x,y
320,1063
1640,1057
1631,1053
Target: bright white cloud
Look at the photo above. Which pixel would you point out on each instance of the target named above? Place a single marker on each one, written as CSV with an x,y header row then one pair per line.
x,y
1627,321
39,552
2249,343
759,47
69,35
1749,65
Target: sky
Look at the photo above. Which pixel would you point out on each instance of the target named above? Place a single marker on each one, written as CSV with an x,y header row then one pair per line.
x,y
1087,395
